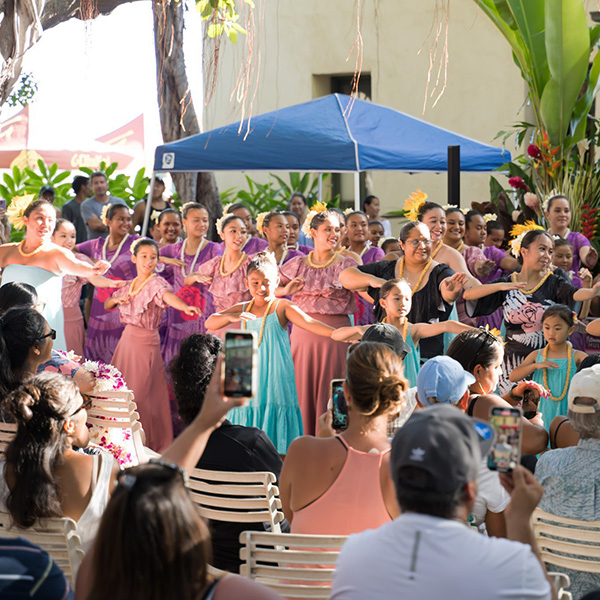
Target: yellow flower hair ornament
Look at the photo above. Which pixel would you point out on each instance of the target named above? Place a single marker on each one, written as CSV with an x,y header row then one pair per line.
x,y
518,232
260,220
489,217
135,245
154,215
219,223
16,209
104,214
314,209
449,206
413,203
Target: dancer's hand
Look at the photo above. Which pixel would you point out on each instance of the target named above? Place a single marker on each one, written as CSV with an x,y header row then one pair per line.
x,y
118,283
202,278
192,310
122,300
293,286
245,316
173,262
101,266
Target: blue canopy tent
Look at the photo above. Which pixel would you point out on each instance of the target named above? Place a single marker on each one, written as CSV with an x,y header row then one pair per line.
x,y
334,133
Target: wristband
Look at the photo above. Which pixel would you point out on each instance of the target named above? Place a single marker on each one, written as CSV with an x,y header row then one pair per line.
x,y
512,395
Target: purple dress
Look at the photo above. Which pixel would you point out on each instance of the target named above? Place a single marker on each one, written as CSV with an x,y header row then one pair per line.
x,y
105,327
252,246
494,321
179,325
578,241
365,315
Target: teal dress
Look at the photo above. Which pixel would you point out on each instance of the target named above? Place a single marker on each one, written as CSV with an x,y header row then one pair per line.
x,y
412,361
275,407
556,381
49,290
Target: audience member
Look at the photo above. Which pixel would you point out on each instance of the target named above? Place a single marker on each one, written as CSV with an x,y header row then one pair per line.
x,y
340,485
91,209
570,476
43,475
229,448
427,552
71,210
158,204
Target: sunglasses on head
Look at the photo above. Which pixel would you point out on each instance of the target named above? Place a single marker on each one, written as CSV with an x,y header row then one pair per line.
x,y
127,479
87,403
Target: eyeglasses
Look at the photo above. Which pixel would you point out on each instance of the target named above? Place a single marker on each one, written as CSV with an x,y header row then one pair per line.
x,y
52,335
127,479
87,403
417,243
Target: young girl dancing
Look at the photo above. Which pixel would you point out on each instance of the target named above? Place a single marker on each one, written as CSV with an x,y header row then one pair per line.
x,y
276,230
141,304
64,236
555,364
275,409
395,297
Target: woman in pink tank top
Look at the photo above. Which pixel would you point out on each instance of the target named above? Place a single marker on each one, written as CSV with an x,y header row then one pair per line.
x,y
341,485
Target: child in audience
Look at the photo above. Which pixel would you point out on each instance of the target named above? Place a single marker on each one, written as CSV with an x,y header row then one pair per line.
x,y
554,365
141,304
64,236
376,232
396,299
495,234
562,258
390,245
275,409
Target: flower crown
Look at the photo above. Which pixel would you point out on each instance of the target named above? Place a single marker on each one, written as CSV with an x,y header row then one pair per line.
x,y
490,217
518,232
546,202
16,209
413,203
135,244
260,219
314,210
104,214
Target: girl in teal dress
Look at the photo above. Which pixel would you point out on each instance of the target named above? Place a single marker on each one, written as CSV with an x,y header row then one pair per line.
x,y
275,408
395,297
554,365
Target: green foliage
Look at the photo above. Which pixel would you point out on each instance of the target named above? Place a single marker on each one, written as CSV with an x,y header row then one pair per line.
x,y
48,176
222,17
121,185
23,95
274,195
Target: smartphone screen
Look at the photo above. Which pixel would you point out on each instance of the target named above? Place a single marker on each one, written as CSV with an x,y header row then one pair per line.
x,y
240,363
505,454
339,408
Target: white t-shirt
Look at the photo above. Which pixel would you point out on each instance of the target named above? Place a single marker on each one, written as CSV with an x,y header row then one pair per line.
x,y
490,494
418,557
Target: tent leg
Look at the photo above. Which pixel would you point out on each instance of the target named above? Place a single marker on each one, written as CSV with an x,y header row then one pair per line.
x,y
357,191
454,175
148,206
320,189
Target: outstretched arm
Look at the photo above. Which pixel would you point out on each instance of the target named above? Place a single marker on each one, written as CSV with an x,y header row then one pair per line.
x,y
299,318
232,315
491,288
355,280
425,330
451,287
178,304
349,334
67,263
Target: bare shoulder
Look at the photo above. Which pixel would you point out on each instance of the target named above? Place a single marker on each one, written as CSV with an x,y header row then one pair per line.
x,y
579,357
234,586
483,404
308,448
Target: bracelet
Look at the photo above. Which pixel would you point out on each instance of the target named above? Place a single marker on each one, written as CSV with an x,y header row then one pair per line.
x,y
512,395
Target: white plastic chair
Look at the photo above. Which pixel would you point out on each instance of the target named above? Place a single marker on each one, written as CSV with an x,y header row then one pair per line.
x,y
117,410
559,536
58,537
237,497
293,565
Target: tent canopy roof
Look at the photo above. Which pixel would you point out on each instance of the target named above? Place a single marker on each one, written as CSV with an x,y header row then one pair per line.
x,y
330,134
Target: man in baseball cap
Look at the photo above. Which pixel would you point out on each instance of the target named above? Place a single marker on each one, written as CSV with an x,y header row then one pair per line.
x,y
570,476
429,551
443,380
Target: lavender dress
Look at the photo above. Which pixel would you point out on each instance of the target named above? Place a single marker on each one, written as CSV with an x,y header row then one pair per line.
x,y
179,325
365,314
494,321
104,327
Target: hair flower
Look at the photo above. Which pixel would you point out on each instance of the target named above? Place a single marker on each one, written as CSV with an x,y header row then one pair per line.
x,y
447,207
226,208
314,209
219,223
413,203
154,215
349,211
260,219
134,245
518,232
489,217
16,209
104,214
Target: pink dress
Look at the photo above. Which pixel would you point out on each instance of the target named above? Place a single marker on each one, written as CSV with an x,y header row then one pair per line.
x,y
226,291
353,503
318,359
71,293
138,358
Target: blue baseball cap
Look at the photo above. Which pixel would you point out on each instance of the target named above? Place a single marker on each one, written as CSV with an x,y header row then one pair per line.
x,y
442,380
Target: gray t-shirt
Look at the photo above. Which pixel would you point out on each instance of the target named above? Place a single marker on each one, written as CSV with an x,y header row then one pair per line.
x,y
92,208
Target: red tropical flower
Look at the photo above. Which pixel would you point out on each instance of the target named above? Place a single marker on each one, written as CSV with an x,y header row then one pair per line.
x,y
534,151
517,183
103,294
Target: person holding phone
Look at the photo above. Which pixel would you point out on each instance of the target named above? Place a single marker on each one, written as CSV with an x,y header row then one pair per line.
x,y
341,485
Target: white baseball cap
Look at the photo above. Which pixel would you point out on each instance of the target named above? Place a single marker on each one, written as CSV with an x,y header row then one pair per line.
x,y
585,384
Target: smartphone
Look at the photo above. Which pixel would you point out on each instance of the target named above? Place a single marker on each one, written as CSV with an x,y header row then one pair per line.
x,y
339,408
241,364
507,423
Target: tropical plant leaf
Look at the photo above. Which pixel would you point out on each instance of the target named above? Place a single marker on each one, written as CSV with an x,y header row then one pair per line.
x,y
567,48
584,104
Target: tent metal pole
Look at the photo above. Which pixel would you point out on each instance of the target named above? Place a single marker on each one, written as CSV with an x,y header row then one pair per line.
x,y
320,189
356,190
148,206
454,175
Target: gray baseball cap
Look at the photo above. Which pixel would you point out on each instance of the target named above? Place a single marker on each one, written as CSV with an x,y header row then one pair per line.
x,y
444,442
387,334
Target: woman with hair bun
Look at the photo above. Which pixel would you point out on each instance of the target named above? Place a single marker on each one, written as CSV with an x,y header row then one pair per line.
x,y
104,327
342,485
44,476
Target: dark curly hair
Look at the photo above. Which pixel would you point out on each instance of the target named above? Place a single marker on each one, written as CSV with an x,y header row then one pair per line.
x,y
191,371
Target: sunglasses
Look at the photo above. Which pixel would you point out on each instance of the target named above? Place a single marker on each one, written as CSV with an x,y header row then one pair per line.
x,y
488,336
87,403
127,479
51,335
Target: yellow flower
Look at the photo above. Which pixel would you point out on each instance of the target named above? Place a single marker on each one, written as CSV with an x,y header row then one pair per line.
x,y
489,217
518,232
104,214
413,203
260,219
16,208
318,207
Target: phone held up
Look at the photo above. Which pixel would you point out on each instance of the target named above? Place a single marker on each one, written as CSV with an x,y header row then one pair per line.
x,y
241,364
339,408
505,454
